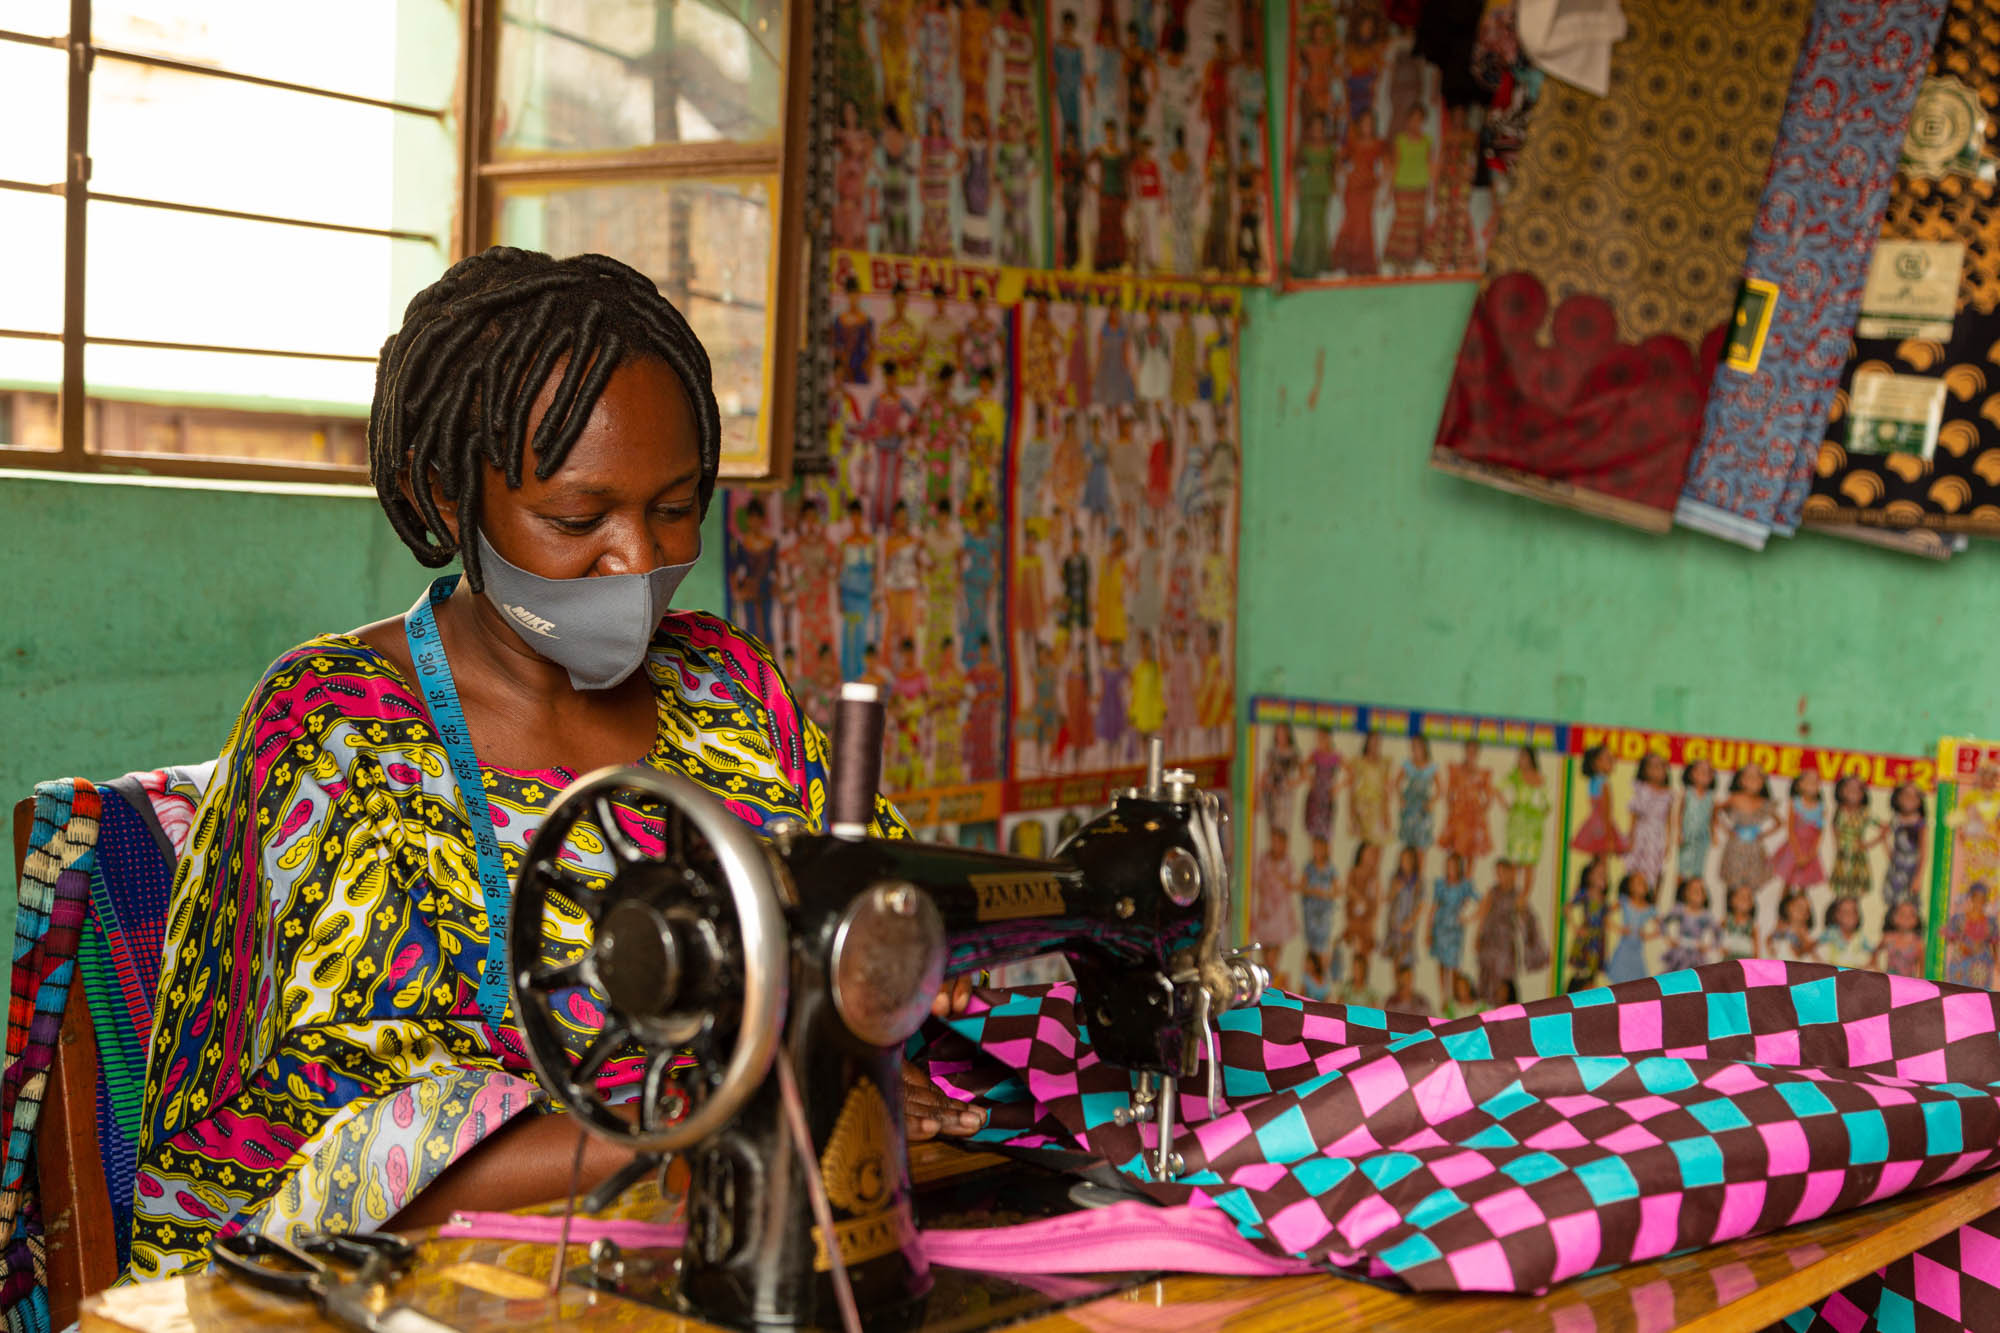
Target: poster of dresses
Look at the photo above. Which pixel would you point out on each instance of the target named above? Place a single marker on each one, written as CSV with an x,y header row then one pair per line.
x,y
1965,898
1123,524
1402,859
1380,173
888,568
1684,850
1159,138
937,134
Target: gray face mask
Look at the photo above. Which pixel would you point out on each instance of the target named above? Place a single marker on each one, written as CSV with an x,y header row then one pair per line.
x,y
598,626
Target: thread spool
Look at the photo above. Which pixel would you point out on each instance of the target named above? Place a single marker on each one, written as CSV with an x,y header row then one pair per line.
x,y
857,759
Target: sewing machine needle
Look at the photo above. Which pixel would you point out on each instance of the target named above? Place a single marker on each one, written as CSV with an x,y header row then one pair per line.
x,y
1170,1091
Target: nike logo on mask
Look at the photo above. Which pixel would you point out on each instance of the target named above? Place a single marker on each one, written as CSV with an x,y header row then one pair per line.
x,y
531,622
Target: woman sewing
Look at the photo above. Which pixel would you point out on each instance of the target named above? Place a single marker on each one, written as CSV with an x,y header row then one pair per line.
x,y
325,1055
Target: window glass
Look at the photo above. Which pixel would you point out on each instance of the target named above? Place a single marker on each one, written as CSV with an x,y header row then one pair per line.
x,y
395,50
231,381
31,294
596,75
34,93
185,138
707,244
179,277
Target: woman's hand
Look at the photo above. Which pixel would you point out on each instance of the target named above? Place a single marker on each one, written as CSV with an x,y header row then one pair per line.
x,y
927,1111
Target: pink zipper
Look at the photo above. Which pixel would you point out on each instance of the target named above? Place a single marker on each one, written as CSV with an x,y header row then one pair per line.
x,y
1123,1238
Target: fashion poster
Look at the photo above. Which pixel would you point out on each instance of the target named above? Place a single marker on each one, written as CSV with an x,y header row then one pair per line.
x,y
1402,859
1685,850
1159,135
1123,525
937,138
889,569
1379,172
1965,941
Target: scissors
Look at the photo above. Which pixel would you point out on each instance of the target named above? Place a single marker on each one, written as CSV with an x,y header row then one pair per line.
x,y
346,1274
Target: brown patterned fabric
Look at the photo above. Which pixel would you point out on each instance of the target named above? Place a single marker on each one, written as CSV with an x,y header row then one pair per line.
x,y
1587,362
1956,488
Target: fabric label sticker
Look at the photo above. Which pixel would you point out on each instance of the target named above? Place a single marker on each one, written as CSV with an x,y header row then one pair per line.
x,y
1895,414
1912,290
1947,134
1755,305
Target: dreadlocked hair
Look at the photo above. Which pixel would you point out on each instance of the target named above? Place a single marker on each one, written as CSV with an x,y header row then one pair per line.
x,y
454,385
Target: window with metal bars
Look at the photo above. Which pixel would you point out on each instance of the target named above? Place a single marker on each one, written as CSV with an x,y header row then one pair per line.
x,y
215,210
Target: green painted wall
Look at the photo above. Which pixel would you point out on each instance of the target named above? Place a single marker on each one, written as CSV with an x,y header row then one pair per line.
x,y
136,616
1364,575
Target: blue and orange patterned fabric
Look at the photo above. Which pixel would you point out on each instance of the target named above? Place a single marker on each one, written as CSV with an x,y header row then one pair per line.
x,y
318,1056
1816,227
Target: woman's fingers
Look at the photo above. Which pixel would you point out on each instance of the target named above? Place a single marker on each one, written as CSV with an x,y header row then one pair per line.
x,y
928,1112
952,997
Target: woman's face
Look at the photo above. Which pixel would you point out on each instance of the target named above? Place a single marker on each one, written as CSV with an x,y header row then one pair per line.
x,y
627,498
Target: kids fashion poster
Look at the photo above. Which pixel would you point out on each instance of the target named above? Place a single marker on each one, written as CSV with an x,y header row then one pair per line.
x,y
937,134
1403,859
1123,525
1965,943
889,568
1685,850
1158,131
1379,171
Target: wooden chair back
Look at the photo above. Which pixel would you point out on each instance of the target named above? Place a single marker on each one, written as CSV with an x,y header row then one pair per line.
x,y
82,1252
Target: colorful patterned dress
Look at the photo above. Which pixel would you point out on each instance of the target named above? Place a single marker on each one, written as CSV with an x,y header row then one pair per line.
x,y
1527,817
1697,831
1906,855
1650,806
1851,878
1320,794
1797,863
320,1057
1468,795
1414,826
1692,939
1448,921
1368,808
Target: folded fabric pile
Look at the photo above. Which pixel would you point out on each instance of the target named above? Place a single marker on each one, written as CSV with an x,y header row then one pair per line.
x,y
1521,1147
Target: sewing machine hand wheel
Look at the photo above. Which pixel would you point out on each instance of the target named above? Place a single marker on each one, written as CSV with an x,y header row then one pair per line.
x,y
665,923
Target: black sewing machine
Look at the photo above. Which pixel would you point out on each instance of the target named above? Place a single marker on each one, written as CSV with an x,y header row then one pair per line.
x,y
794,969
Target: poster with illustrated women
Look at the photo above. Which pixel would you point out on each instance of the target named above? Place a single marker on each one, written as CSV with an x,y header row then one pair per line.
x,y
937,135
1123,524
1158,122
1380,173
1965,894
1402,859
1684,850
889,568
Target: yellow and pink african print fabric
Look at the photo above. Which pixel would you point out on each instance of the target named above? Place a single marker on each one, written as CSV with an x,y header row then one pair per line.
x,y
319,1056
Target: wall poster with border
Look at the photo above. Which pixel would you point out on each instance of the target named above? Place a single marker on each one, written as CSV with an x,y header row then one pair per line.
x,y
1158,132
1400,858
1965,919
1379,171
937,130
1123,522
1682,850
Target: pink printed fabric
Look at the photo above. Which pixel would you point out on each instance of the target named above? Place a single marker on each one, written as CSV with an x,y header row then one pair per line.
x,y
1515,1149
1124,1238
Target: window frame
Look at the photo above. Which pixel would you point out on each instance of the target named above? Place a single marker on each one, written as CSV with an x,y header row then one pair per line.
x,y
480,175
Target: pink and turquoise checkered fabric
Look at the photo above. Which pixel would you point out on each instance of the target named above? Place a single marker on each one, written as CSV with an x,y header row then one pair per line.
x,y
1533,1143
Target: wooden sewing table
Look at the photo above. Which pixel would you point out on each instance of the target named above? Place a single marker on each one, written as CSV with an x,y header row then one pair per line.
x,y
482,1285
